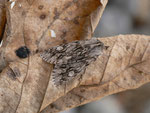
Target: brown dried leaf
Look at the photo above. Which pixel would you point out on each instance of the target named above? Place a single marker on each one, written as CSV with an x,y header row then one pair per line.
x,y
125,65
30,23
26,86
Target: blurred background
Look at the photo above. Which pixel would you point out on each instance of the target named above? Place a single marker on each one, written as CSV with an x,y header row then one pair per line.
x,y
122,17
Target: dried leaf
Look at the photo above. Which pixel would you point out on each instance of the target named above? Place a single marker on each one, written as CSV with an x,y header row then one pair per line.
x,y
28,25
125,65
94,85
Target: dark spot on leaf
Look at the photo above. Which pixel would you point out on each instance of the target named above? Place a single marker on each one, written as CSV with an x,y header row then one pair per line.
x,y
23,13
75,21
43,16
22,52
124,79
37,51
127,47
56,14
40,7
140,72
106,47
54,106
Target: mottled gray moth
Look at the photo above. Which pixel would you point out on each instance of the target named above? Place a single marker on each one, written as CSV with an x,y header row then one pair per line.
x,y
70,60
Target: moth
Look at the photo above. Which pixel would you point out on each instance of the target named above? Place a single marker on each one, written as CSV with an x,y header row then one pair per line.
x,y
71,60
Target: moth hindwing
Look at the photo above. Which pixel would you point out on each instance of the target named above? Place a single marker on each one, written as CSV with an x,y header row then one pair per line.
x,y
71,59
